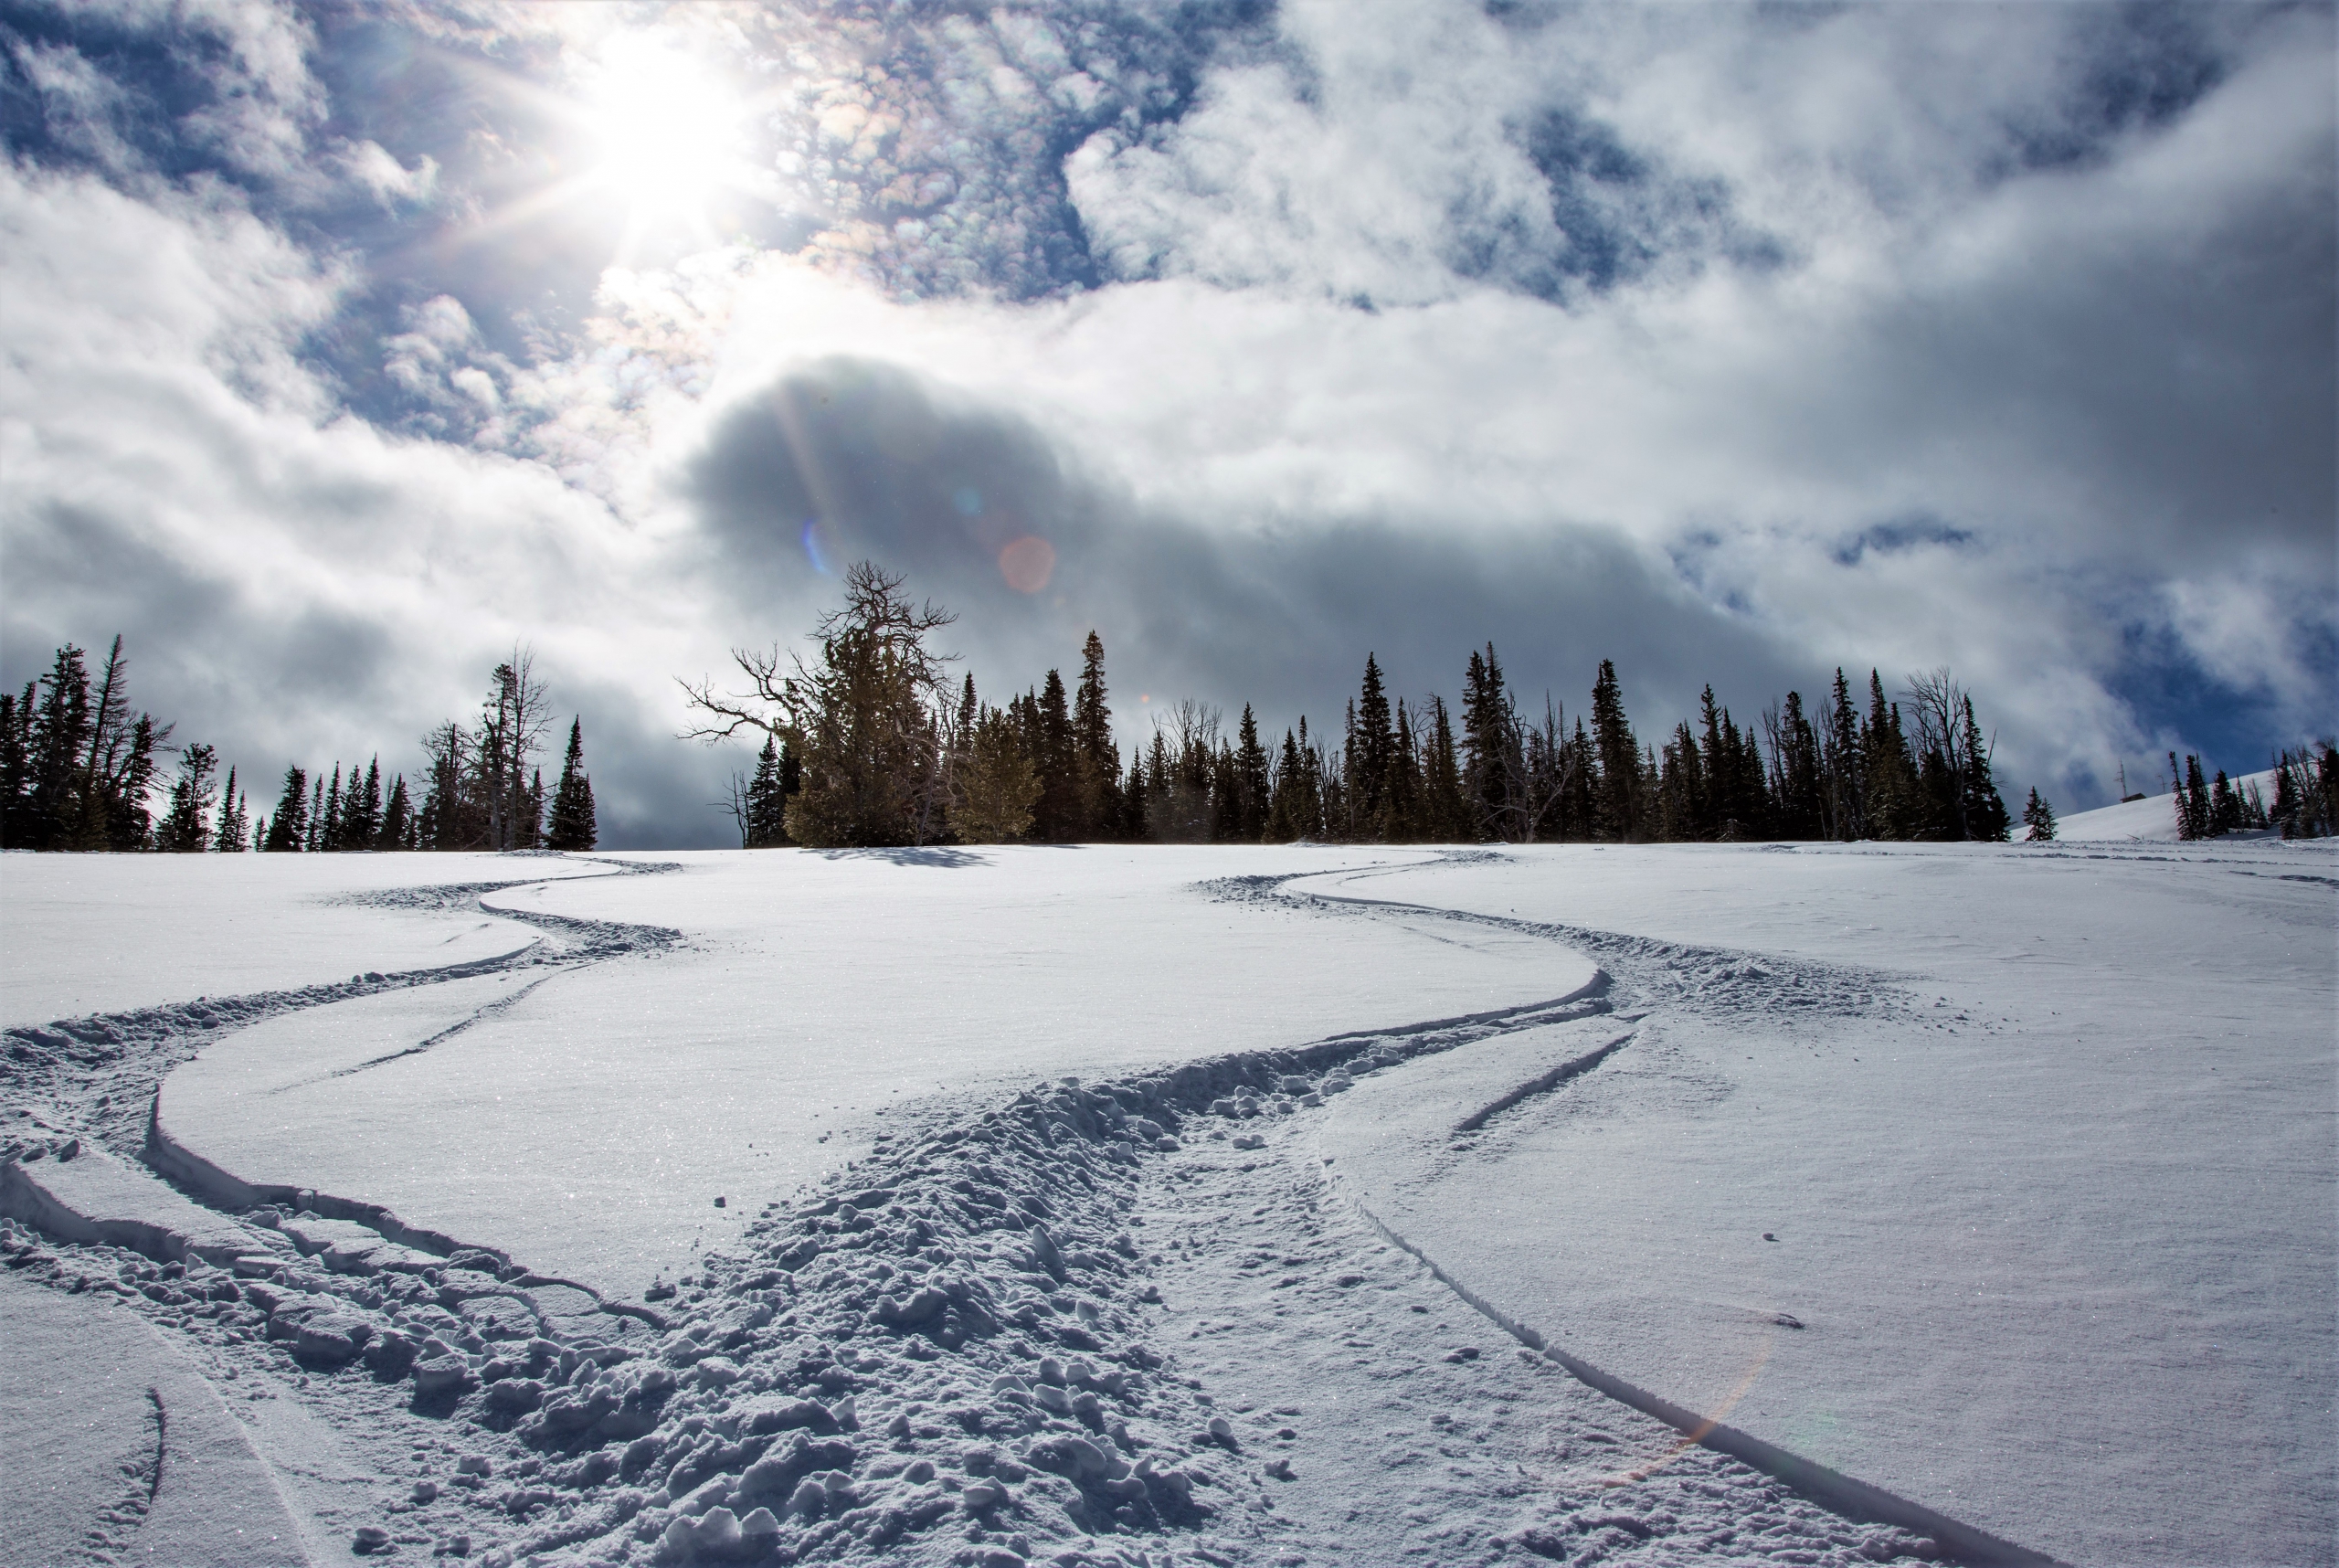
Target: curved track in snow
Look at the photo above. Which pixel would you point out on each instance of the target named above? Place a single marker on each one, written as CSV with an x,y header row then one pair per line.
x,y
1049,1330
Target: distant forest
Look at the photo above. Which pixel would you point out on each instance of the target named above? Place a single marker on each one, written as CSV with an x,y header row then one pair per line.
x,y
78,770
870,743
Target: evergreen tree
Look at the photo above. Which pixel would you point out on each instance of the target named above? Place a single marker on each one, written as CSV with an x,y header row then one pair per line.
x,y
867,720
2196,798
1444,809
1373,756
1984,815
288,829
235,824
1492,759
1890,775
763,823
15,765
397,819
1058,816
1253,789
329,825
313,819
1619,791
56,736
1798,805
2039,817
1841,767
998,788
2225,807
186,828
1134,803
361,808
573,826
1097,758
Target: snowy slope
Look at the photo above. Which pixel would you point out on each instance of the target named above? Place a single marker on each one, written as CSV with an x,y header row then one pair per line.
x,y
590,1125
2043,1136
2152,819
101,933
1995,1233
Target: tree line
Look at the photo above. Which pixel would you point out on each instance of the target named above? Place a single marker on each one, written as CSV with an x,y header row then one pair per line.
x,y
78,770
867,742
2306,797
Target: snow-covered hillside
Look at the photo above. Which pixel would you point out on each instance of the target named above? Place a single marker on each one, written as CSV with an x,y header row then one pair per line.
x,y
1209,1205
2152,819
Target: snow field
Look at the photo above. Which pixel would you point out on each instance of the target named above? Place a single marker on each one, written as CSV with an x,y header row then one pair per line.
x,y
2011,1235
589,1126
1020,1326
108,934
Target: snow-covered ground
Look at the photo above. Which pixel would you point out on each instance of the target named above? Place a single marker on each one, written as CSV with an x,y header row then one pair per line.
x,y
1985,1194
2152,819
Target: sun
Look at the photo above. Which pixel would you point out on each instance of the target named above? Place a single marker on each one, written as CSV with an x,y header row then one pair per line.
x,y
666,134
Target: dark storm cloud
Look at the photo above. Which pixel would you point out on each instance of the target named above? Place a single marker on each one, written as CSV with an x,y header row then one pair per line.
x,y
876,465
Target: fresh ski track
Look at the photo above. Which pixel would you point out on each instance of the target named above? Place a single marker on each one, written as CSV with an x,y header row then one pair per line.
x,y
1089,1326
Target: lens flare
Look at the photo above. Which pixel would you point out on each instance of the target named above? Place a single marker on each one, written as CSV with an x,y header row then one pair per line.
x,y
1027,564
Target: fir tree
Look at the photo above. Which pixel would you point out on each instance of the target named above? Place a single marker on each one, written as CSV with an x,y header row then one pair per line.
x,y
397,830
998,786
1373,756
573,827
235,826
1253,789
1444,809
288,829
1059,813
2038,819
764,824
186,828
2225,807
1096,758
1612,733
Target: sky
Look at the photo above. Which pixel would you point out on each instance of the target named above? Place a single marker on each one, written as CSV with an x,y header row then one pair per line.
x,y
349,347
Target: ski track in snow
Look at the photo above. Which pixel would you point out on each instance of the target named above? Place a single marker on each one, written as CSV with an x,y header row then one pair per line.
x,y
1136,1322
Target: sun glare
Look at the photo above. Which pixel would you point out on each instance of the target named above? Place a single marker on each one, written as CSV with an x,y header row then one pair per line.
x,y
667,132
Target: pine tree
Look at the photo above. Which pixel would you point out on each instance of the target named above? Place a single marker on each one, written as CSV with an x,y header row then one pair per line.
x,y
1058,814
1097,758
1890,775
1983,812
288,829
56,736
1842,766
1445,812
2196,798
573,827
235,826
1493,764
1373,756
397,819
15,765
1252,787
764,823
998,787
1619,791
2225,807
186,828
2039,817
